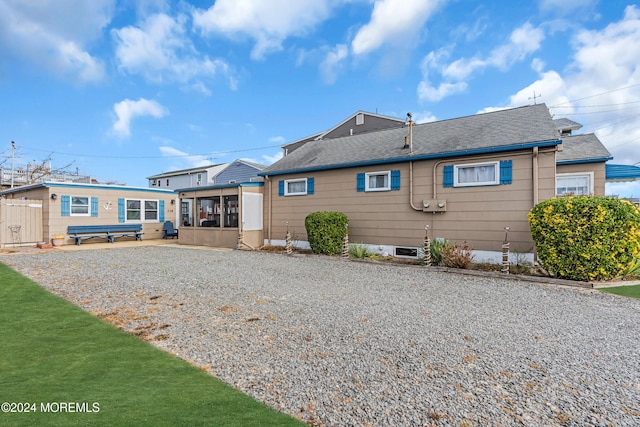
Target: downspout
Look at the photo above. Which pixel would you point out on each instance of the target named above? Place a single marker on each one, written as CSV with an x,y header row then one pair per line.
x,y
411,188
240,215
535,176
269,209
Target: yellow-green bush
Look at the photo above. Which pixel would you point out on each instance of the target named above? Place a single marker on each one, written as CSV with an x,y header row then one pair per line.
x,y
586,237
325,231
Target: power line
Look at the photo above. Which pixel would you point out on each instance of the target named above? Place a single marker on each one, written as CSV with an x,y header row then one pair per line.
x,y
598,94
209,154
595,106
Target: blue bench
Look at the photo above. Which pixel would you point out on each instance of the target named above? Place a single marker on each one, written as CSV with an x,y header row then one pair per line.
x,y
109,232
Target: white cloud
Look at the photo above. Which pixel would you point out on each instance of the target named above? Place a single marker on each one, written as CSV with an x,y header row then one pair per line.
x,y
267,22
271,159
427,92
424,117
277,139
393,22
332,63
522,42
566,7
159,49
599,89
42,33
127,110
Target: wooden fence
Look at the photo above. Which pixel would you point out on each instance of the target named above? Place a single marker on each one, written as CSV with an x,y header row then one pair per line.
x,y
20,222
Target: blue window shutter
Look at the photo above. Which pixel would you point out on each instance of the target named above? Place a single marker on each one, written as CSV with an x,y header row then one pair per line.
x,y
94,206
395,180
65,205
281,188
447,180
310,186
505,172
161,213
360,182
120,210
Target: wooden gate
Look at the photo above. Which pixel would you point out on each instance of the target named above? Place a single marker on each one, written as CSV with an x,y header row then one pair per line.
x,y
20,222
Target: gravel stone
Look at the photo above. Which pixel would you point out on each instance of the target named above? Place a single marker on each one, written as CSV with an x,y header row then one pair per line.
x,y
338,343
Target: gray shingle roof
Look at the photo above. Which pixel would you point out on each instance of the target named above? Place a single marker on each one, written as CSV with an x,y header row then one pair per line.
x,y
582,148
486,132
566,124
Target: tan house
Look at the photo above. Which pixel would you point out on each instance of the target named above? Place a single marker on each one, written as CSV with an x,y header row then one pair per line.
x,y
466,179
227,215
69,204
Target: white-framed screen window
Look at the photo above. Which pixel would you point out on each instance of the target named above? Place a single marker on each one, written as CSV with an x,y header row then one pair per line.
x,y
141,210
199,179
295,187
80,205
486,173
377,181
576,184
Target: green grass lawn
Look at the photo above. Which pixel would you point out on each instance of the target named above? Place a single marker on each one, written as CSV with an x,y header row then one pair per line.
x,y
52,351
627,291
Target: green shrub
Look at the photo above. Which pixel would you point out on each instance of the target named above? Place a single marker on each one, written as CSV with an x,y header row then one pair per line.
x,y
586,237
325,231
359,251
447,254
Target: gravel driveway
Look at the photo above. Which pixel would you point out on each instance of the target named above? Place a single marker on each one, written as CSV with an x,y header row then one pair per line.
x,y
338,343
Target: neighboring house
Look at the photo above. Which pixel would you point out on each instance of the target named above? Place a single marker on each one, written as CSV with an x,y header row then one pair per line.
x,y
622,173
466,179
65,204
580,166
193,177
225,173
358,123
239,171
579,163
36,174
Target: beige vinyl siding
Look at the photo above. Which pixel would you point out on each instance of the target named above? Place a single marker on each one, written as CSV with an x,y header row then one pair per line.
x,y
477,215
55,223
107,210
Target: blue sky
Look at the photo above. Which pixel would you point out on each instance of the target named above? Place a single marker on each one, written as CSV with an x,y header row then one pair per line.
x,y
127,89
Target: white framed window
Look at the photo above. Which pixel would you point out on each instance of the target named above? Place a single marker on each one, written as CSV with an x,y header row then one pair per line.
x,y
359,119
80,206
377,181
471,174
198,179
576,184
295,187
141,210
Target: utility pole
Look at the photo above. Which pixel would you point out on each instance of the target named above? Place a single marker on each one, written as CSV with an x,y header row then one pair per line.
x,y
13,150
